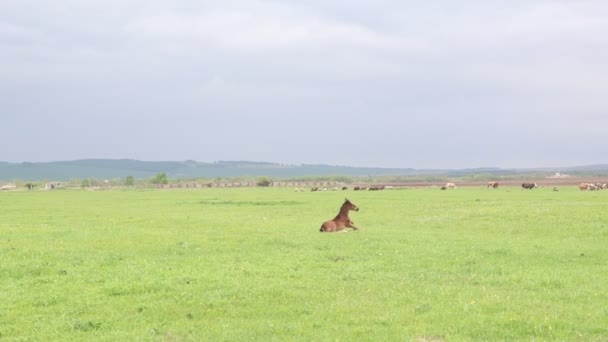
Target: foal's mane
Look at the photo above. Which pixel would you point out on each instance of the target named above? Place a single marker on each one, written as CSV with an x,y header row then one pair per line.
x,y
343,210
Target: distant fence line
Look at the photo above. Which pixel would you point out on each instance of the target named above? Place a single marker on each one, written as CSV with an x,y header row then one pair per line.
x,y
332,184
301,185
246,184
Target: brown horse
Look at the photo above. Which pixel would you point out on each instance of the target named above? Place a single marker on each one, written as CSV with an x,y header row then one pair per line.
x,y
341,220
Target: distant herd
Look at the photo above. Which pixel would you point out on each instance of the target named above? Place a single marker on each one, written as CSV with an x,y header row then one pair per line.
x,y
449,185
593,186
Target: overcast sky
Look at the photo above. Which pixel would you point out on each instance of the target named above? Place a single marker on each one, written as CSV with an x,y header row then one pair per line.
x,y
441,84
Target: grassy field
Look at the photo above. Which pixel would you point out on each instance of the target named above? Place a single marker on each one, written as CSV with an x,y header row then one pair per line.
x,y
250,264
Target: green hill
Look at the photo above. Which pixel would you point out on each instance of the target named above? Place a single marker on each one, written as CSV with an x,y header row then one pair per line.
x,y
111,168
121,168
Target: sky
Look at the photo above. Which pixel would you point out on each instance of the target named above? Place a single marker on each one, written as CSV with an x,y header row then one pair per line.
x,y
411,84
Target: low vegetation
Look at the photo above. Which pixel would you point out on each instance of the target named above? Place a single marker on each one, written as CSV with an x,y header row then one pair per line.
x,y
160,178
250,264
263,181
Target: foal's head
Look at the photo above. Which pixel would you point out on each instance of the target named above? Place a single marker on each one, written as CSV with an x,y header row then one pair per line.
x,y
348,205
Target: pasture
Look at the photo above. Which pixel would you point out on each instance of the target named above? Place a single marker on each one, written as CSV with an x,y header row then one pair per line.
x,y
250,264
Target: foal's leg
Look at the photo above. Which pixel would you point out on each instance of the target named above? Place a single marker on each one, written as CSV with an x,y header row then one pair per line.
x,y
351,225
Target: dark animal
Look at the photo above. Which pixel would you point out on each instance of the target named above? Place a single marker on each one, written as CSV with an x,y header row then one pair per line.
x,y
314,189
344,188
341,220
529,186
493,185
376,188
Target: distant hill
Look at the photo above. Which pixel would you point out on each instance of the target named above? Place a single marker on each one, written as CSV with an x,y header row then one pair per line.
x,y
121,168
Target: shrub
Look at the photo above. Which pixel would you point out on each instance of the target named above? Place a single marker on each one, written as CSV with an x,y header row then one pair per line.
x,y
263,181
129,181
160,178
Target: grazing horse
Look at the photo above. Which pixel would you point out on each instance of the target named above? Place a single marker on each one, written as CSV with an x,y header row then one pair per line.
x,y
529,186
341,220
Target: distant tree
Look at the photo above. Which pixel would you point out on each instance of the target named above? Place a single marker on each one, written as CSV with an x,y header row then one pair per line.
x,y
160,178
95,182
85,183
263,181
30,186
130,181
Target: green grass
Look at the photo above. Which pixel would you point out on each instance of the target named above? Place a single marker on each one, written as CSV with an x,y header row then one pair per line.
x,y
250,264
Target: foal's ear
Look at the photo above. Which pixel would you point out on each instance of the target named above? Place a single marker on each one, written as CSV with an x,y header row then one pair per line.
x,y
346,200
